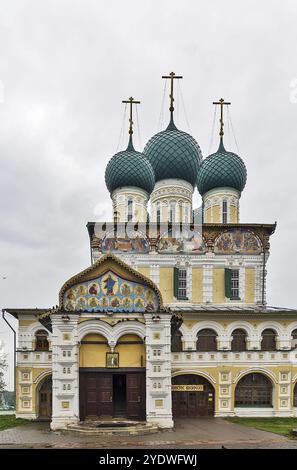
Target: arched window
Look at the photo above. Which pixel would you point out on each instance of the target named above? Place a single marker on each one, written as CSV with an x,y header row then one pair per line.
x,y
253,390
268,342
41,343
158,207
294,339
206,340
176,342
225,212
130,209
238,340
172,211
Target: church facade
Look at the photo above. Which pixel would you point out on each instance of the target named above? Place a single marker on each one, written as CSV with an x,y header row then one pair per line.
x,y
171,318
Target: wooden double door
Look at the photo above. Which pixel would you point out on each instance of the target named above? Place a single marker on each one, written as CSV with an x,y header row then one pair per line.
x,y
192,403
45,400
117,394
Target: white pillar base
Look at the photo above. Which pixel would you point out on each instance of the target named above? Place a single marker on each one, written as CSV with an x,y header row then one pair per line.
x,y
60,423
164,422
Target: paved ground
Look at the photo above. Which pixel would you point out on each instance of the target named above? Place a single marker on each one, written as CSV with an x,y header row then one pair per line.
x,y
191,433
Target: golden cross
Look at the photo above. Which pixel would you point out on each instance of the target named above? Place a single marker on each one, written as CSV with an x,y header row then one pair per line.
x,y
131,101
221,102
172,77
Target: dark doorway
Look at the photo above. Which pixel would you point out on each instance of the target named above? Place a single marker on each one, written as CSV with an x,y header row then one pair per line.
x,y
45,400
192,396
119,394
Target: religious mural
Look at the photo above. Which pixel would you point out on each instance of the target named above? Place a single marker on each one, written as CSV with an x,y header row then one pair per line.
x,y
186,241
136,243
237,240
110,293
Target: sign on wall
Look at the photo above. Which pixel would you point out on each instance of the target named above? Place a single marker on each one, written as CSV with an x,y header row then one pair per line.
x,y
187,388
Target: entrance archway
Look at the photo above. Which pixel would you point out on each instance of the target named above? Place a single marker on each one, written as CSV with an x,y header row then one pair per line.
x,y
45,400
192,396
295,396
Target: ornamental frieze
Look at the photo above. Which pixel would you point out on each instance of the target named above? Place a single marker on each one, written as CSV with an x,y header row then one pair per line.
x,y
217,238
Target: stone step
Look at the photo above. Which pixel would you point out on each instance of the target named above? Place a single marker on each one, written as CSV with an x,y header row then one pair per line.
x,y
133,430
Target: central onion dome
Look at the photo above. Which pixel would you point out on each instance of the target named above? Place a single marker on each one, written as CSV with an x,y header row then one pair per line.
x,y
222,169
174,154
129,168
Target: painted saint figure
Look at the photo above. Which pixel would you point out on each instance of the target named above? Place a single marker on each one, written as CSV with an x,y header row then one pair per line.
x,y
109,285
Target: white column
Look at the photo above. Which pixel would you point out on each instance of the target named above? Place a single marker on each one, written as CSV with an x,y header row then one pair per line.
x,y
65,371
158,370
207,283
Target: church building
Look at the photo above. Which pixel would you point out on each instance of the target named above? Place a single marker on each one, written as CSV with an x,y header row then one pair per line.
x,y
170,320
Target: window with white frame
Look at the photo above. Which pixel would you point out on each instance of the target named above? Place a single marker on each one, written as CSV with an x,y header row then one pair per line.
x,y
182,283
225,212
130,209
234,283
172,211
187,214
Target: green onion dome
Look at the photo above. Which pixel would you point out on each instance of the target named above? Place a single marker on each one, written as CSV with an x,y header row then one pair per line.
x,y
174,154
129,168
221,169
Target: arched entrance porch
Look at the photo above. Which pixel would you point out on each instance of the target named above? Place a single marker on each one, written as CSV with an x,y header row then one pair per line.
x,y
192,396
112,383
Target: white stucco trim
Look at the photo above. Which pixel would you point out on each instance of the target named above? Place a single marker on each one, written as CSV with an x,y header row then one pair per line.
x,y
112,334
195,372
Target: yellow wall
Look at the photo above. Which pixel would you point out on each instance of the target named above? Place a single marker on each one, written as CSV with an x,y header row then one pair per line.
x,y
233,215
145,271
219,285
213,215
197,289
208,215
28,322
166,284
216,214
93,355
249,285
130,355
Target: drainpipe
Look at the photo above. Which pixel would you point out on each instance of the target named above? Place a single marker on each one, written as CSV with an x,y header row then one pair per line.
x,y
14,356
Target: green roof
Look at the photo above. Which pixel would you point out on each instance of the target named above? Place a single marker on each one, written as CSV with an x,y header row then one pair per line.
x,y
129,168
221,169
174,154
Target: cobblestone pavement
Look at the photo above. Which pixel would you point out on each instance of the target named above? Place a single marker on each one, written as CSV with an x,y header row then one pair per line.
x,y
191,433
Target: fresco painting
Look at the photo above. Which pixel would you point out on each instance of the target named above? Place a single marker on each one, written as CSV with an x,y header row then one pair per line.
x,y
237,241
187,242
111,293
136,243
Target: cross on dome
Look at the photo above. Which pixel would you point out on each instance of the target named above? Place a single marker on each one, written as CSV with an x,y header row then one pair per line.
x,y
221,103
172,77
131,101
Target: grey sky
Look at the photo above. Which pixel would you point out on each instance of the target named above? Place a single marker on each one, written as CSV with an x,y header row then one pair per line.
x,y
65,66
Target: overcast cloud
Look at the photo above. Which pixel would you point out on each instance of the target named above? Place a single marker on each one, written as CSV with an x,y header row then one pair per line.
x,y
66,65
